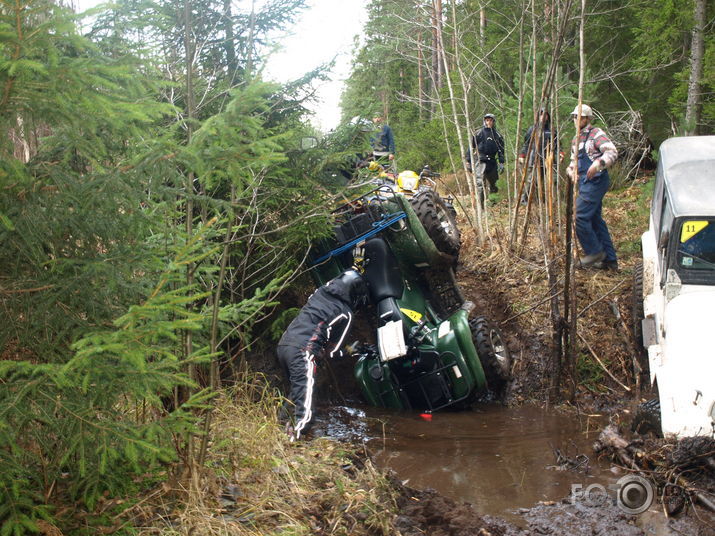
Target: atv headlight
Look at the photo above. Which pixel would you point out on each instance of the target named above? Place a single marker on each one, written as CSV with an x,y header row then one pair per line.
x,y
409,183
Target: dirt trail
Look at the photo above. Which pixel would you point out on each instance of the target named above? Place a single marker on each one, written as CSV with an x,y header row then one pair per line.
x,y
486,289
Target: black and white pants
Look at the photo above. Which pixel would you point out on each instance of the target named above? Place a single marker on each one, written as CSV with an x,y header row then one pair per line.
x,y
299,368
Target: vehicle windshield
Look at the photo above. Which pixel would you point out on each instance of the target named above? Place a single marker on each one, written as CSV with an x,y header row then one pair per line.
x,y
696,248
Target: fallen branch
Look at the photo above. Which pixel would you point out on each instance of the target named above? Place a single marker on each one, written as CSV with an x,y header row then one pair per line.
x,y
602,365
609,438
600,299
25,290
623,335
550,297
700,497
657,470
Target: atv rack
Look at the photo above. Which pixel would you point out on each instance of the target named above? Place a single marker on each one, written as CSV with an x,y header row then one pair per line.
x,y
361,219
432,389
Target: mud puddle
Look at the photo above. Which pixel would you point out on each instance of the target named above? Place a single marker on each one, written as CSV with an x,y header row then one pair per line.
x,y
499,459
504,461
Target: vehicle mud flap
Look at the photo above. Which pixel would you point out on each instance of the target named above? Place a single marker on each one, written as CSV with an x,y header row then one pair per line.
x,y
647,418
445,295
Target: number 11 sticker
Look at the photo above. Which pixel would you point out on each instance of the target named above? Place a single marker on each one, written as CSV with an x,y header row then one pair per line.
x,y
690,229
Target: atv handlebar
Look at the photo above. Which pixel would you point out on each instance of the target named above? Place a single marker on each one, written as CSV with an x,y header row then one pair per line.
x,y
428,173
417,333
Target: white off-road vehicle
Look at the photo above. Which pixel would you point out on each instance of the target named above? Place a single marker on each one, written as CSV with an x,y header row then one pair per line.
x,y
674,291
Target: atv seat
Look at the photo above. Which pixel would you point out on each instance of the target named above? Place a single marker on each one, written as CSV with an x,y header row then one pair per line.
x,y
382,271
388,311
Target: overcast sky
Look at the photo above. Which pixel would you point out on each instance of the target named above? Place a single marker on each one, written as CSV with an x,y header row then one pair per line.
x,y
325,30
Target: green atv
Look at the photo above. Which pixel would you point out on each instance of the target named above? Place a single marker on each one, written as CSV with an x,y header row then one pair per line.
x,y
430,355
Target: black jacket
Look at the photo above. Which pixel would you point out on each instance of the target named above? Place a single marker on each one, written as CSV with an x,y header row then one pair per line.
x,y
489,143
323,322
547,134
383,141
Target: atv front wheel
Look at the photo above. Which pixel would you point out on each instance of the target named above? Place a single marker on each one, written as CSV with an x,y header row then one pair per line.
x,y
439,222
493,353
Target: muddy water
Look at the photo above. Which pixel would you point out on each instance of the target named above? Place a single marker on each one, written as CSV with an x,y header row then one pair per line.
x,y
497,458
501,460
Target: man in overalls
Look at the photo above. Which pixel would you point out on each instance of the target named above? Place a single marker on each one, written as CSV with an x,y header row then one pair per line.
x,y
595,154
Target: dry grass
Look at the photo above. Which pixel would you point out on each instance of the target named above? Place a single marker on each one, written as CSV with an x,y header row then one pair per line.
x,y
256,482
603,299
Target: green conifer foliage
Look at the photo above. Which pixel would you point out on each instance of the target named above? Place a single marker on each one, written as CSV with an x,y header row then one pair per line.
x,y
96,181
74,431
274,212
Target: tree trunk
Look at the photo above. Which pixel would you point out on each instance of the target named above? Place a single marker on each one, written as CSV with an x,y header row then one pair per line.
x,y
230,45
569,358
694,104
436,51
249,52
465,146
190,112
520,105
420,77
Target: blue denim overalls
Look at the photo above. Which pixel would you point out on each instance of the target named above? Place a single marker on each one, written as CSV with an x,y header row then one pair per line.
x,y
591,230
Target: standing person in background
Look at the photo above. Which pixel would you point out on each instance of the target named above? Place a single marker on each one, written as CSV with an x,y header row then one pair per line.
x,y
488,144
593,155
541,148
383,141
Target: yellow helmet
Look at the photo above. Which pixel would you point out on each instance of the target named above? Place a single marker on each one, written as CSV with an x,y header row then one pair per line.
x,y
408,180
374,166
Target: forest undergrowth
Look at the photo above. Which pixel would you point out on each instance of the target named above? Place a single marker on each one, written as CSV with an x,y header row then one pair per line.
x,y
516,280
256,482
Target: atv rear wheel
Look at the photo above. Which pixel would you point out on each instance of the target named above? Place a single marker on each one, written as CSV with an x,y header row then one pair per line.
x,y
493,353
647,418
439,222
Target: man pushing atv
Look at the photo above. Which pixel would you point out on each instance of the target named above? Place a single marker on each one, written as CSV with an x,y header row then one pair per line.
x,y
320,330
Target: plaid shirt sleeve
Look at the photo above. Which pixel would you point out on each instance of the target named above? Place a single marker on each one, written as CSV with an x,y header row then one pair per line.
x,y
598,147
601,148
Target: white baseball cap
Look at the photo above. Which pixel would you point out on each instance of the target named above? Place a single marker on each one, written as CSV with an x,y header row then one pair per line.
x,y
585,111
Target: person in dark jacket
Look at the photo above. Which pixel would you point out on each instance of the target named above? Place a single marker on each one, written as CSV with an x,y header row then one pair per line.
x,y
383,142
319,330
540,150
488,146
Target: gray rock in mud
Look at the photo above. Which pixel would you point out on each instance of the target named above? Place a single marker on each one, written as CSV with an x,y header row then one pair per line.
x,y
581,520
